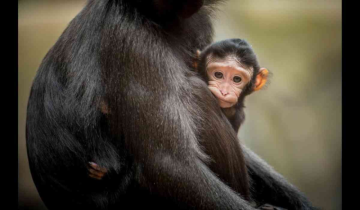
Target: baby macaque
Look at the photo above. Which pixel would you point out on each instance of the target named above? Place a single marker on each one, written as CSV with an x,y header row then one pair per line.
x,y
231,69
232,72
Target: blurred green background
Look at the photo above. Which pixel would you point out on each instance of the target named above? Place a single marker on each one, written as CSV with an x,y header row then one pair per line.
x,y
294,124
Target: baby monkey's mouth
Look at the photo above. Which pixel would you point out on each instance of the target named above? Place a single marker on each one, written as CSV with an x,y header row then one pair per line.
x,y
225,104
227,99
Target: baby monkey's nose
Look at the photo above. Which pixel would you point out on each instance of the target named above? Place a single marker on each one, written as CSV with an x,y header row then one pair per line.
x,y
224,92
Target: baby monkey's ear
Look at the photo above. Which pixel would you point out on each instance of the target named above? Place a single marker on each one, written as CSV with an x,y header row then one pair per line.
x,y
261,79
196,60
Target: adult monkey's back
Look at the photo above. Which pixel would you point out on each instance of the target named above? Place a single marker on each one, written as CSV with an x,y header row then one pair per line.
x,y
163,137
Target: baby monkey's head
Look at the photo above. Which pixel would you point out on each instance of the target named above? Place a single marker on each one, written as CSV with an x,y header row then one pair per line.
x,y
232,70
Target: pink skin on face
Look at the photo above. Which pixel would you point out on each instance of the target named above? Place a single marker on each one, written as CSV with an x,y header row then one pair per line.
x,y
227,79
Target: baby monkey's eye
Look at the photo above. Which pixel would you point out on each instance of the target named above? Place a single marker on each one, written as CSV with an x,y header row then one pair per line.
x,y
237,79
218,75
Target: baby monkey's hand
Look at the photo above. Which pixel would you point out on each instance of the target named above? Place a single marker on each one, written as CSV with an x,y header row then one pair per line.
x,y
95,171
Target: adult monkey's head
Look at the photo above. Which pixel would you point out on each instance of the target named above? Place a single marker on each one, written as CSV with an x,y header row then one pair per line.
x,y
232,71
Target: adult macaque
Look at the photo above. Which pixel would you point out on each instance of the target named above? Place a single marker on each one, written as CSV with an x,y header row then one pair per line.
x,y
136,56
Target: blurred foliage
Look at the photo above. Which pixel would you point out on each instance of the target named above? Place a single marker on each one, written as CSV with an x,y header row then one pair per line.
x,y
294,124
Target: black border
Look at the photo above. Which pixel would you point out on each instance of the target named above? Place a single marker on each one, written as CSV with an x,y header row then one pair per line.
x,y
9,81
350,123
350,78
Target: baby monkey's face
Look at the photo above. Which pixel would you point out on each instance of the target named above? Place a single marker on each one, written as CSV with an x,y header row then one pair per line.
x,y
227,79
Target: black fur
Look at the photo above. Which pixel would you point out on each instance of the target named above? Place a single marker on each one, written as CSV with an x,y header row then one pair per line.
x,y
164,140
